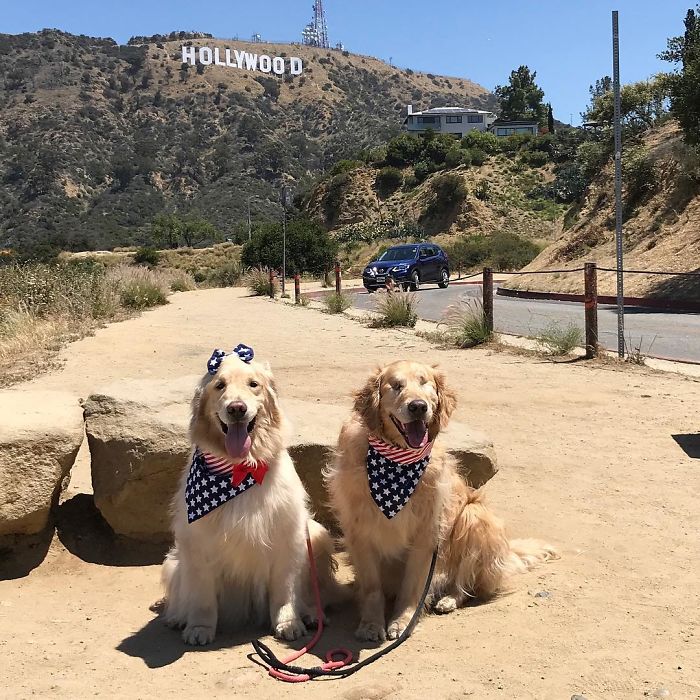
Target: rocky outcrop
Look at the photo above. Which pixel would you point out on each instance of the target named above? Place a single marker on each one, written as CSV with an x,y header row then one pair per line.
x,y
137,433
40,435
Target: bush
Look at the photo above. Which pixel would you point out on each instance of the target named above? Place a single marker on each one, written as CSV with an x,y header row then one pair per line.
x,y
337,303
481,140
482,191
449,189
182,282
639,175
466,323
147,255
335,193
535,159
257,280
142,294
227,275
501,250
404,149
422,170
346,166
396,309
555,340
477,156
388,180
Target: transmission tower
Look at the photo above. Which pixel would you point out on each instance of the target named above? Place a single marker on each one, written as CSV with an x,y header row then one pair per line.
x,y
316,32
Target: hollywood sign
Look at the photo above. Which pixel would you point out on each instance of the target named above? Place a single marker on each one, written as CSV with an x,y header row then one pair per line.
x,y
232,58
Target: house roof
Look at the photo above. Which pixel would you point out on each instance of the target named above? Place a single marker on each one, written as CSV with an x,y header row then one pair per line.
x,y
451,110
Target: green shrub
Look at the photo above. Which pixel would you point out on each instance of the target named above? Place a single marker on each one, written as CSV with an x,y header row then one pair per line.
x,y
535,159
422,170
142,294
410,182
555,340
303,300
639,175
404,149
482,190
514,143
477,156
396,309
182,282
227,275
346,166
501,250
481,140
337,303
466,323
449,189
335,193
388,180
147,255
257,279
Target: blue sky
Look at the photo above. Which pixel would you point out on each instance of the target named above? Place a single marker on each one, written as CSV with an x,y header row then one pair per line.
x,y
568,44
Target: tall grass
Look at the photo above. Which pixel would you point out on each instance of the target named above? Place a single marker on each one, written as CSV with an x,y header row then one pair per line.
x,y
559,340
257,279
466,323
45,305
396,309
337,303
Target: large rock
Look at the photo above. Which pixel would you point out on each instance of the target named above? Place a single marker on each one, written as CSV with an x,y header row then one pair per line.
x,y
137,433
40,435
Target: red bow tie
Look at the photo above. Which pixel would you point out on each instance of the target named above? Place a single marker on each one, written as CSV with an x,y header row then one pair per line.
x,y
241,471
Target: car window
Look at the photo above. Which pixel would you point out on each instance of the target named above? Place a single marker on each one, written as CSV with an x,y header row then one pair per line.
x,y
425,252
404,252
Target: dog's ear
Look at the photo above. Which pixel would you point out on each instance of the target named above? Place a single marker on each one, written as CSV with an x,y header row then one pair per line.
x,y
447,402
271,396
367,401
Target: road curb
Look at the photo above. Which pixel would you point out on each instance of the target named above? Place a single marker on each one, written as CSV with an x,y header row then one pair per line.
x,y
320,293
644,302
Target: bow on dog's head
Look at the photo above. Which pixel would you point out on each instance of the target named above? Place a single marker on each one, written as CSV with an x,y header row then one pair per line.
x,y
245,353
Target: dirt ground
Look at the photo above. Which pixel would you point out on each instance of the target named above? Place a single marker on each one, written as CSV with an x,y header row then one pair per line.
x,y
588,461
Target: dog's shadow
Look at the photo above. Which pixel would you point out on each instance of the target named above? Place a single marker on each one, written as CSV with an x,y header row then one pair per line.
x,y
159,645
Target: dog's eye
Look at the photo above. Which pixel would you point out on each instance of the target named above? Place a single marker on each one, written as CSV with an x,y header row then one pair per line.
x,y
253,384
220,385
397,386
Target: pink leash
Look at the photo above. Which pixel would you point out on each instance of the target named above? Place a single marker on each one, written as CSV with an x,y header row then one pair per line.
x,y
331,664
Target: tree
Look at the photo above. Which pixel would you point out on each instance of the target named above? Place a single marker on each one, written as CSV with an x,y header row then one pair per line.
x,y
309,247
642,104
684,86
550,118
173,231
404,150
522,97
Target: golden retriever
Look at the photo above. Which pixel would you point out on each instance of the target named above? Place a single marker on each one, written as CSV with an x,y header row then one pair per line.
x,y
240,542
401,409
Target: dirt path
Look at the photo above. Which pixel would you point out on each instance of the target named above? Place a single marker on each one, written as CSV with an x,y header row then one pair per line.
x,y
587,460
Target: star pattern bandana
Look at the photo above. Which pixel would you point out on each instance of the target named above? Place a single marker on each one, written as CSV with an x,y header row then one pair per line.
x,y
213,481
393,473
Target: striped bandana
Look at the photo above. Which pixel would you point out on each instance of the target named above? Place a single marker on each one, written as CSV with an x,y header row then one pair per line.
x,y
213,481
393,473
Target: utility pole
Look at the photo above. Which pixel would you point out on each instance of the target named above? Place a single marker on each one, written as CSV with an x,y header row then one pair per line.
x,y
618,188
286,194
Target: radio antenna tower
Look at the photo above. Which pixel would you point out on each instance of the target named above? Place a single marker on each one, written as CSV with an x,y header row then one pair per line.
x,y
316,32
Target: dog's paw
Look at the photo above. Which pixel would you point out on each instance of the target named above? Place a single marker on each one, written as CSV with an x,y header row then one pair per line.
x,y
446,605
370,632
396,627
290,630
311,620
198,635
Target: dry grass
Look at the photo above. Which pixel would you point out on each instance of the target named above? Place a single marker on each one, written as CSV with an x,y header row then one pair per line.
x,y
559,340
396,309
337,303
257,279
44,306
466,323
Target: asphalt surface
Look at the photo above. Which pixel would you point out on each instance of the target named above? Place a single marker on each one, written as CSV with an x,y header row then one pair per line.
x,y
657,333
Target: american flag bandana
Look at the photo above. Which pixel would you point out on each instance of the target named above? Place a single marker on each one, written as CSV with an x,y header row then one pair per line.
x,y
213,481
393,473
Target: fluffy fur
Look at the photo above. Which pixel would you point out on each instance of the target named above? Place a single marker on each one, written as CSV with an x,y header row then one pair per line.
x,y
391,558
246,561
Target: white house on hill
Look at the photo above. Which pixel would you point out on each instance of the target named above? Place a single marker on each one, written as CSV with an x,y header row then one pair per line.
x,y
448,120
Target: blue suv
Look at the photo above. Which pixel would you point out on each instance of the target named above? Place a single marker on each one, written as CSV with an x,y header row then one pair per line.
x,y
409,265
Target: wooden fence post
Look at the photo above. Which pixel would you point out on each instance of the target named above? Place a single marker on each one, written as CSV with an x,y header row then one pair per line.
x,y
338,283
487,296
297,289
590,283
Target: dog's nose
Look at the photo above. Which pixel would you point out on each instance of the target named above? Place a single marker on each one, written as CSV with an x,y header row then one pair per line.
x,y
418,408
236,409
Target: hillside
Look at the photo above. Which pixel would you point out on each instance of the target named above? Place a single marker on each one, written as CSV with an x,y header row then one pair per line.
x,y
661,195
96,138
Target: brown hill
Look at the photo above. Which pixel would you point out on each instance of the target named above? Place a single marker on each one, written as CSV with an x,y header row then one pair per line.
x,y
661,229
96,138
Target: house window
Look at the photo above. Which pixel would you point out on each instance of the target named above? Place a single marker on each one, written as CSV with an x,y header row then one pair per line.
x,y
427,120
453,120
475,119
503,131
525,130
410,120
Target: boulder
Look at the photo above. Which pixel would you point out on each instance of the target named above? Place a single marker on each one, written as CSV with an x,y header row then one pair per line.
x,y
137,433
40,435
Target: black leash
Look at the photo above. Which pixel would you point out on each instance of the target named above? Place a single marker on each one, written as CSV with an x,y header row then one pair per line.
x,y
267,655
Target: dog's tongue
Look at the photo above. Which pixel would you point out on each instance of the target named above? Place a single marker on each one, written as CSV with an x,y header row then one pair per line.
x,y
416,433
237,441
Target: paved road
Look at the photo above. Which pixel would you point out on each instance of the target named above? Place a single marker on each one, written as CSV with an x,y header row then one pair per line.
x,y
665,334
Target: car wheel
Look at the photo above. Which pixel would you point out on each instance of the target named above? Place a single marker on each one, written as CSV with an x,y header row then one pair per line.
x,y
444,279
415,281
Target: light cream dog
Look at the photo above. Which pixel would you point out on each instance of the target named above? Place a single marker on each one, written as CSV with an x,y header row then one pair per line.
x,y
245,559
406,405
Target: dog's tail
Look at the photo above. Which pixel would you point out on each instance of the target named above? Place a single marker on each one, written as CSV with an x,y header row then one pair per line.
x,y
332,592
480,556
